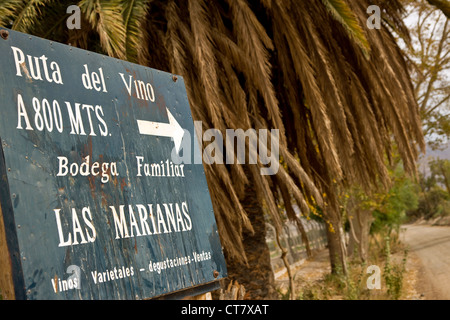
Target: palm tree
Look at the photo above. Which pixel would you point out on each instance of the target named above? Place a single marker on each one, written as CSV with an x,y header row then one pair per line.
x,y
338,93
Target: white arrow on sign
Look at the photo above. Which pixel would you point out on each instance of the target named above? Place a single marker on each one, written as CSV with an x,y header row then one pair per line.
x,y
171,129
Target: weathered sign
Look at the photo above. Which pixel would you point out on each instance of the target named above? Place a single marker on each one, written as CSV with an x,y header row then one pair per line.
x,y
93,205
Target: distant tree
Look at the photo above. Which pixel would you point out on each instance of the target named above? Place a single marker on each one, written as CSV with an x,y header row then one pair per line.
x,y
434,192
390,212
382,211
440,172
428,56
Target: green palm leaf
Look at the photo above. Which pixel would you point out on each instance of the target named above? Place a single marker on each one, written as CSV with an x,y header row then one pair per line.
x,y
133,13
106,18
21,15
340,10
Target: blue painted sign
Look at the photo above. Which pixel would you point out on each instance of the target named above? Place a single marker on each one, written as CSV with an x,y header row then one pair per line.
x,y
94,204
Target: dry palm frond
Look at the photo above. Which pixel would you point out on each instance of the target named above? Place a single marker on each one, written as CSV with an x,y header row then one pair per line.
x,y
287,39
339,107
253,40
442,5
204,58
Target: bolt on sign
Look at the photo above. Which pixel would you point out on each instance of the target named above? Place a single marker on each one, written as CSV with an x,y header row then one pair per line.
x,y
92,204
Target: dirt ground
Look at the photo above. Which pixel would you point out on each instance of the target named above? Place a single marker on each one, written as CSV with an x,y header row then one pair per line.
x,y
313,271
430,245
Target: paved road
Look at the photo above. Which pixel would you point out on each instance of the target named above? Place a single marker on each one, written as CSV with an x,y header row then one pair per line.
x,y
431,244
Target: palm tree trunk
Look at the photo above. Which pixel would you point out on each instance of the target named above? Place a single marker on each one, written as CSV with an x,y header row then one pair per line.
x,y
360,222
336,245
257,276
